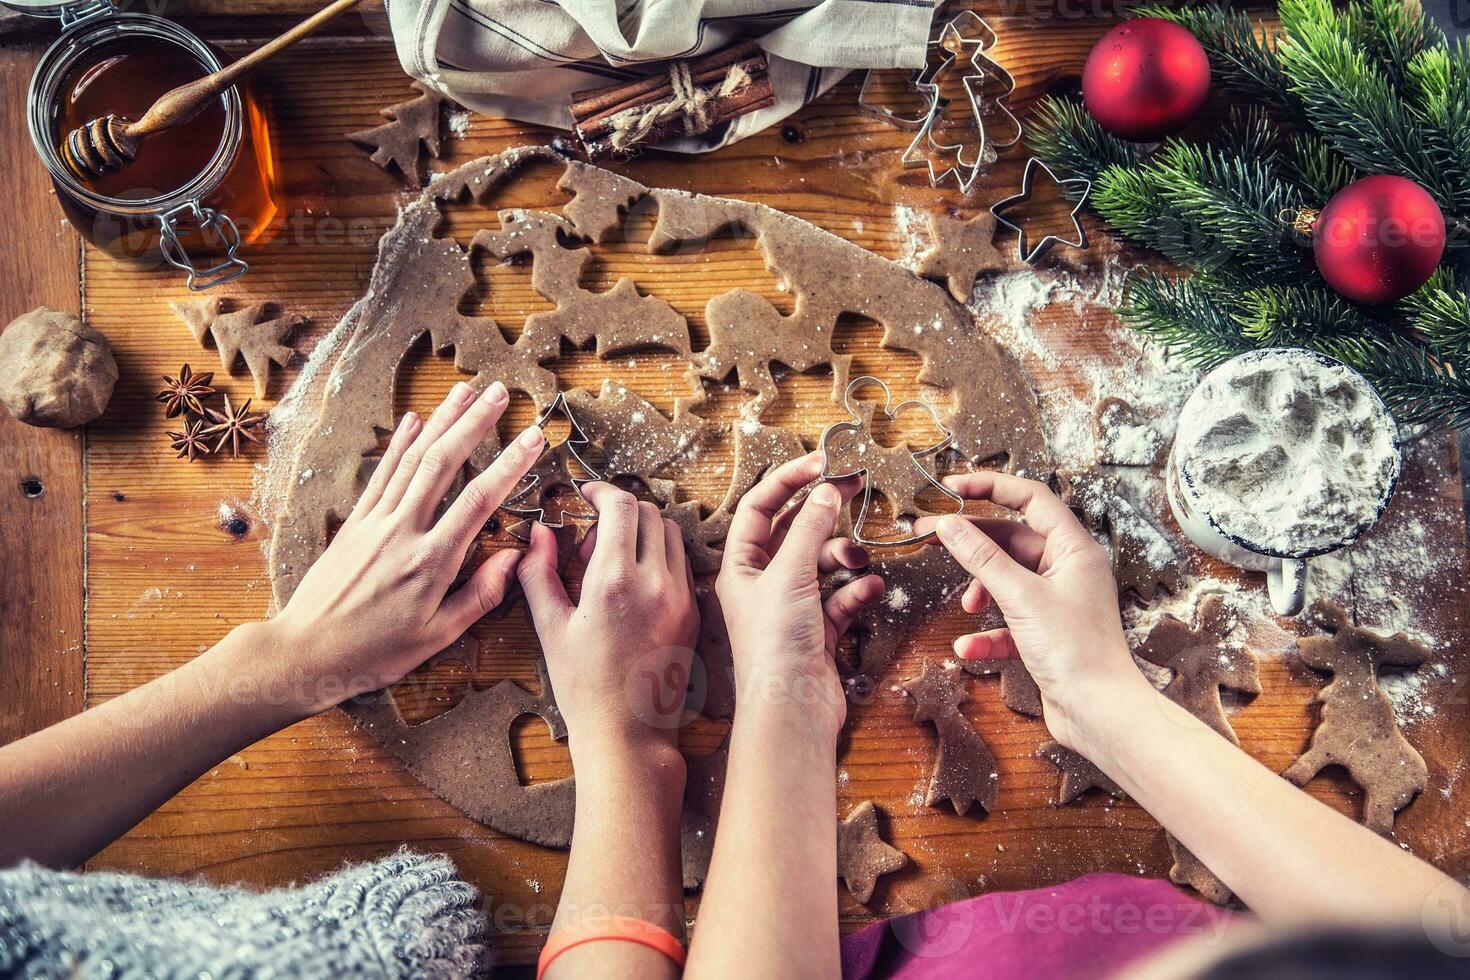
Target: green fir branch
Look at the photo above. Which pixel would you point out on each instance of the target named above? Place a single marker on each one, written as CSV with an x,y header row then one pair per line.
x,y
1184,316
1418,387
1440,313
1241,59
1438,86
1248,133
1395,32
1308,315
1207,208
1315,166
1351,103
1071,142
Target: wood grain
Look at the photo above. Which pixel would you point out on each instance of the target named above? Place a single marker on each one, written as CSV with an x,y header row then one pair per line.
x,y
41,670
175,560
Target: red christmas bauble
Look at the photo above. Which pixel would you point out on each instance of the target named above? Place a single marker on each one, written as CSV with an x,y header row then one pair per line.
x,y
1378,239
1145,78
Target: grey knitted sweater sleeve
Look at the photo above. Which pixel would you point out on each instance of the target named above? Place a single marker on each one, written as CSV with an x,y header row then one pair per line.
x,y
408,915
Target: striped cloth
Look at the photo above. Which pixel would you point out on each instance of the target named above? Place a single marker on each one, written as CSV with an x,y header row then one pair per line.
x,y
524,58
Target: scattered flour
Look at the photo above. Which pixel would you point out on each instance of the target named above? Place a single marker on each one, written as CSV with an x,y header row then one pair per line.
x,y
1073,372
458,121
1286,451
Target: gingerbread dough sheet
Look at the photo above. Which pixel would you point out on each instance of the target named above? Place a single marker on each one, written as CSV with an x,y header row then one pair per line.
x,y
417,285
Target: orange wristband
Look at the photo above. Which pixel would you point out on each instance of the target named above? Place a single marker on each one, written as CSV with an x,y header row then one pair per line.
x,y
620,929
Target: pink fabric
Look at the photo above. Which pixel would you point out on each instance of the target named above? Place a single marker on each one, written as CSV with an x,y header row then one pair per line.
x,y
1090,927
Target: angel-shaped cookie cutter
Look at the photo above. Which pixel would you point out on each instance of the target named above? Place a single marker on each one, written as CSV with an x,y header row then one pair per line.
x,y
1078,185
965,31
575,445
854,423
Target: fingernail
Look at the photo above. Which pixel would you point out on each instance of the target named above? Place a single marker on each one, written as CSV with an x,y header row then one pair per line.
x,y
461,393
826,495
531,438
496,392
953,529
409,421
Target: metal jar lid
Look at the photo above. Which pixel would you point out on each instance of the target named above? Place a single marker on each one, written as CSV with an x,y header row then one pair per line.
x,y
87,24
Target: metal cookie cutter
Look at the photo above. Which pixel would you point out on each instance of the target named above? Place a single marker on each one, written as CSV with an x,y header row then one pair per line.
x,y
1043,246
552,468
954,43
854,423
966,31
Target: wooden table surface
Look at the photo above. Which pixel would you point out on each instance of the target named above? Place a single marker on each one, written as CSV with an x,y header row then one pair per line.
x,y
121,567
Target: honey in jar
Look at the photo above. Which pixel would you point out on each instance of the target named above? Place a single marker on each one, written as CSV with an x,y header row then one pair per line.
x,y
194,195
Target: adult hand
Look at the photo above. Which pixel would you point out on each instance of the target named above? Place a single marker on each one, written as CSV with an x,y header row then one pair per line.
x,y
377,603
619,657
1054,585
782,633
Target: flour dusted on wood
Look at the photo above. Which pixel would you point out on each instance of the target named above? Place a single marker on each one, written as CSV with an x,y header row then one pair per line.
x,y
1287,451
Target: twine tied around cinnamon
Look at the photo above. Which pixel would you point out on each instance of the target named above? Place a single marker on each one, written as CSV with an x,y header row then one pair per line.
x,y
632,126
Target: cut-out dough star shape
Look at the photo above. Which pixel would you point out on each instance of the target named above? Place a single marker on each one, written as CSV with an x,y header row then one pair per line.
x,y
863,856
241,333
961,251
1078,774
964,767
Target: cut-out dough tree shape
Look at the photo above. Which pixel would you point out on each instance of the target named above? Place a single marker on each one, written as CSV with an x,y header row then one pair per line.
x,y
241,334
916,586
416,290
1358,729
411,130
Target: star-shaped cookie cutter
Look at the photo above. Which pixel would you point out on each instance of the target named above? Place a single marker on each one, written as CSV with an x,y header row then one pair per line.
x,y
966,31
575,445
854,423
1043,246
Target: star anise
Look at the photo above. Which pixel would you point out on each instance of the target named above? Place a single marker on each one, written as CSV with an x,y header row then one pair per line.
x,y
190,443
232,425
187,391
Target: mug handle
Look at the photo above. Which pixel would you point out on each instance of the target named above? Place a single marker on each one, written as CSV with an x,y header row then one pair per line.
x,y
1286,584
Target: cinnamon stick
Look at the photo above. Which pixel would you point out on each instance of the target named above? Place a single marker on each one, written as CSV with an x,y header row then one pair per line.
x,y
598,124
591,102
753,97
597,113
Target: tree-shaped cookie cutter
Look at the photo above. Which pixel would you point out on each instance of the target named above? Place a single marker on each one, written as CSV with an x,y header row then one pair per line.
x,y
575,445
1078,185
854,423
967,31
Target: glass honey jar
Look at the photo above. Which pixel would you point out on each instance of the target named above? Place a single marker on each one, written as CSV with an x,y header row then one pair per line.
x,y
195,196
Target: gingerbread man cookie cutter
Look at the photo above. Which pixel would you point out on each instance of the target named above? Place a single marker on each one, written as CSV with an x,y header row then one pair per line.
x,y
854,423
575,445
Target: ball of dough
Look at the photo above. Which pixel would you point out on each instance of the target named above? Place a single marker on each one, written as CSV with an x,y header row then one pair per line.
x,y
55,370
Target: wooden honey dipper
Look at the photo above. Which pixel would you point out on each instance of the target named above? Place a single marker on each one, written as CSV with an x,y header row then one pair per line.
x,y
109,144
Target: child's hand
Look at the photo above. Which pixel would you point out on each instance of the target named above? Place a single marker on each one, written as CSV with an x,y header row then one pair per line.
x,y
782,634
619,658
377,603
1054,585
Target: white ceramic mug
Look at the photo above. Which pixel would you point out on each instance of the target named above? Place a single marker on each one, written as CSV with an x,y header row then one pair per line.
x,y
1286,572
